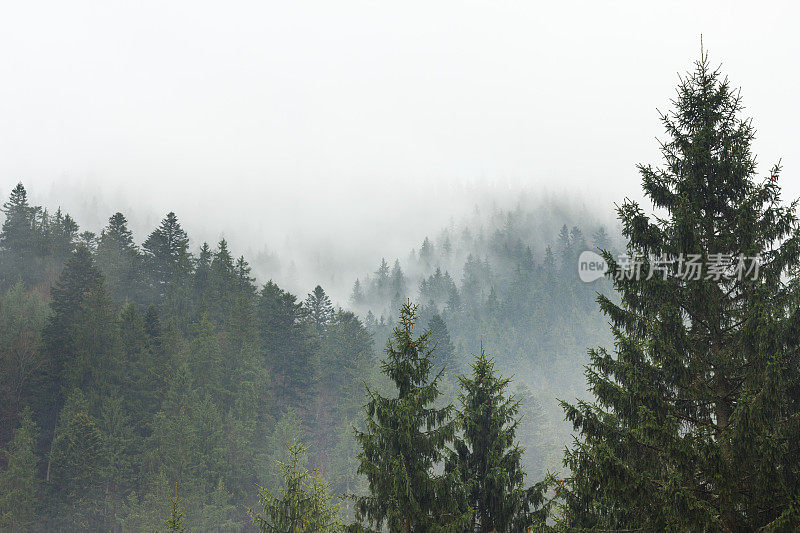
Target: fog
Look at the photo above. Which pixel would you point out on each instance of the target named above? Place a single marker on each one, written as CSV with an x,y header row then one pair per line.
x,y
334,133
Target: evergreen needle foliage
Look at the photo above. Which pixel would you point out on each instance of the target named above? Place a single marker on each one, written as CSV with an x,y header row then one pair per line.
x,y
304,504
405,438
174,522
487,458
696,422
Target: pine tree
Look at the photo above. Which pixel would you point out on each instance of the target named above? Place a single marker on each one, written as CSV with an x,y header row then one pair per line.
x,y
357,296
18,237
601,239
694,426
80,466
22,317
487,458
174,521
319,308
60,236
18,482
565,248
404,438
381,283
347,354
288,344
443,349
303,505
426,253
202,278
167,255
79,279
119,260
399,287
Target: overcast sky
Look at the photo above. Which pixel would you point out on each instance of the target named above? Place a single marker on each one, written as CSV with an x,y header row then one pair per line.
x,y
327,120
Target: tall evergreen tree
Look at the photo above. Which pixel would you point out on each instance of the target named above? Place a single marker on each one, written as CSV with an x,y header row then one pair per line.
x,y
319,308
22,316
79,279
288,344
303,505
167,255
18,482
357,295
80,468
404,438
694,426
18,237
487,458
119,260
444,356
399,288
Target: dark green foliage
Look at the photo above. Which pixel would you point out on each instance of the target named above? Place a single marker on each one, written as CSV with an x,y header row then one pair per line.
x,y
167,258
119,260
487,458
19,485
22,365
501,283
18,236
33,243
152,367
405,438
80,466
288,343
443,349
79,278
158,367
319,309
694,426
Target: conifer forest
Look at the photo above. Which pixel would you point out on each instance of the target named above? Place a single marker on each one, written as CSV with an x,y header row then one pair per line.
x,y
530,365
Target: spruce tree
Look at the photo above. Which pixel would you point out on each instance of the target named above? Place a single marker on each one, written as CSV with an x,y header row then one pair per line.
x,y
357,295
18,482
443,349
18,237
487,458
80,467
119,260
399,288
22,316
303,505
288,344
405,438
174,522
79,279
694,426
380,286
319,308
167,256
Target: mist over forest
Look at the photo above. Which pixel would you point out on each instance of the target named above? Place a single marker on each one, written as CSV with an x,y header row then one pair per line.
x,y
449,268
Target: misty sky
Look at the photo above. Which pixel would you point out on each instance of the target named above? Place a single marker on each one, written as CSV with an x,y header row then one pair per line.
x,y
297,122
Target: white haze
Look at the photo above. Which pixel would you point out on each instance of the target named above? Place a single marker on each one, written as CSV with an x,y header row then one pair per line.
x,y
335,133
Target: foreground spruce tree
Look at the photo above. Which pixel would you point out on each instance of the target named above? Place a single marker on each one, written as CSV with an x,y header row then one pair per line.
x,y
304,504
487,458
404,438
174,522
695,426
